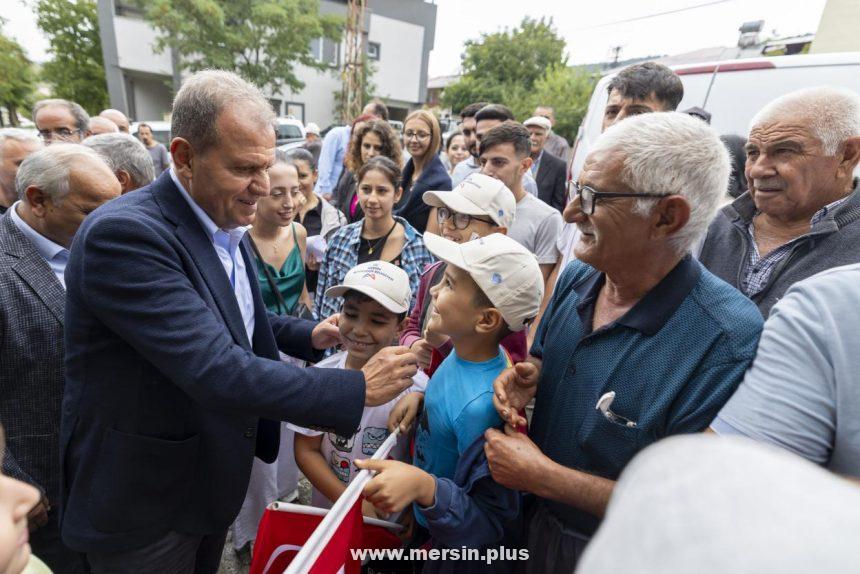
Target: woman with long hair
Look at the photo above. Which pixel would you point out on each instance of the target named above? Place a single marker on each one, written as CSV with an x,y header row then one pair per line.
x,y
379,236
370,138
424,170
456,150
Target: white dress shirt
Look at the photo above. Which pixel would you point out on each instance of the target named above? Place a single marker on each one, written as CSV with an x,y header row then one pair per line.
x,y
226,244
56,255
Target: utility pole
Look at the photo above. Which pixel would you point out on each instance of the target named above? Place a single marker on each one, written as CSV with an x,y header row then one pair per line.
x,y
353,73
616,53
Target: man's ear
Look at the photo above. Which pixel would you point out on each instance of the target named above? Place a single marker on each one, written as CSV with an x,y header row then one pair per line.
x,y
526,163
670,215
183,155
850,156
125,181
37,200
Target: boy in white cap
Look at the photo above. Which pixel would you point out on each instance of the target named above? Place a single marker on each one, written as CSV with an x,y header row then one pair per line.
x,y
476,207
376,298
492,287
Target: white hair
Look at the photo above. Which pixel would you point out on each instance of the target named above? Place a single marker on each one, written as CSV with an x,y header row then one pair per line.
x,y
124,152
202,98
17,135
674,154
48,170
833,113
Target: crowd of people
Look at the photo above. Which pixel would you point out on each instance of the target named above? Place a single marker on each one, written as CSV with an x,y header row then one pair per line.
x,y
186,332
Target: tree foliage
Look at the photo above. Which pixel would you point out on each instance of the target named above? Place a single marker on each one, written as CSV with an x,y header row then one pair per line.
x,y
522,68
19,82
76,69
261,40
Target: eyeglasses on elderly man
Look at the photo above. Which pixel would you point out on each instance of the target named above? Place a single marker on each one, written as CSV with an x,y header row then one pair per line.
x,y
588,196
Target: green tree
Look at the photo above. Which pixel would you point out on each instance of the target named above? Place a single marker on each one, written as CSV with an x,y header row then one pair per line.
x,y
262,40
523,68
19,82
76,70
567,90
504,62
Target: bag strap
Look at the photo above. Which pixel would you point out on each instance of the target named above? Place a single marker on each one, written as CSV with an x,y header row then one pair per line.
x,y
269,279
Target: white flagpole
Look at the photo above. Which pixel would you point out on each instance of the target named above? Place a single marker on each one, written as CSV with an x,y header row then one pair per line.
x,y
312,549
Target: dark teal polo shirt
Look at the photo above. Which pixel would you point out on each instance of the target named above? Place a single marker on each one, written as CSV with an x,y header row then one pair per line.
x,y
673,360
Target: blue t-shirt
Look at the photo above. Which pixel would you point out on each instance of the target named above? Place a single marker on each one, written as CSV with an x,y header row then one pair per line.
x,y
458,408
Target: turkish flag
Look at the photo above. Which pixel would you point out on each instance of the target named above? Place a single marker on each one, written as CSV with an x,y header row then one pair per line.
x,y
283,532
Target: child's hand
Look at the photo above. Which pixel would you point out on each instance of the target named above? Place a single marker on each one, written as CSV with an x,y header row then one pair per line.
x,y
370,511
423,352
404,412
397,484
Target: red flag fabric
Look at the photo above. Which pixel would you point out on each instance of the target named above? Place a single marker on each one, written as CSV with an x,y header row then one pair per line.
x,y
282,533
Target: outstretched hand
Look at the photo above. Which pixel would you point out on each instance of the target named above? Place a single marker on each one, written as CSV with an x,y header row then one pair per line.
x,y
397,484
326,334
387,374
513,389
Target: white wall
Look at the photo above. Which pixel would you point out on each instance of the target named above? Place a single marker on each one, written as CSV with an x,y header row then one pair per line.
x,y
135,39
398,71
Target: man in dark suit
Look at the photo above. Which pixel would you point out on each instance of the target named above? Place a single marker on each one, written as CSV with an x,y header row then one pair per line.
x,y
549,172
58,186
173,381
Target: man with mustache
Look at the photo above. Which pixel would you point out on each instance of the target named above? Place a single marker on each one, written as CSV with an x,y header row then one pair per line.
x,y
801,214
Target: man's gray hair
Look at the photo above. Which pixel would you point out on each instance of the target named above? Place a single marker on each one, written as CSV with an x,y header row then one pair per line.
x,y
673,154
18,135
82,119
48,170
124,152
833,113
204,95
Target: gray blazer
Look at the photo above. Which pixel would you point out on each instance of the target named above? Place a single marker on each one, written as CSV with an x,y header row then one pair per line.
x,y
32,304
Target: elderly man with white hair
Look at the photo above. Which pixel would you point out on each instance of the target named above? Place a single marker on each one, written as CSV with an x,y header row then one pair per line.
x,y
639,340
57,186
801,215
15,145
127,156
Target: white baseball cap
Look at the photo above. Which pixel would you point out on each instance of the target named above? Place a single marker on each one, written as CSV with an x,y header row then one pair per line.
x,y
383,282
538,121
312,128
478,194
506,272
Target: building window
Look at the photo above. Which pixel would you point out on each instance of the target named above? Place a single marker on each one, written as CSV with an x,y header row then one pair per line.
x,y
326,51
373,50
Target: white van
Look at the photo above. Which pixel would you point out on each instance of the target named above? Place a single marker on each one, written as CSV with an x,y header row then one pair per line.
x,y
732,91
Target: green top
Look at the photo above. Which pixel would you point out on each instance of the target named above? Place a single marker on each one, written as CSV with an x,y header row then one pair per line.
x,y
290,280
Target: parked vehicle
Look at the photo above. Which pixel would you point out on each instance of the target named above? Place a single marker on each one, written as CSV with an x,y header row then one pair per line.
x,y
733,90
290,130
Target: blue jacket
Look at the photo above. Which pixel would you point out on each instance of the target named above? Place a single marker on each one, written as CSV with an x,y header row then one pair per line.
x,y
164,395
434,177
472,511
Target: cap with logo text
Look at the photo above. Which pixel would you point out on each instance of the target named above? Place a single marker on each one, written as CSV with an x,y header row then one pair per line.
x,y
383,282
